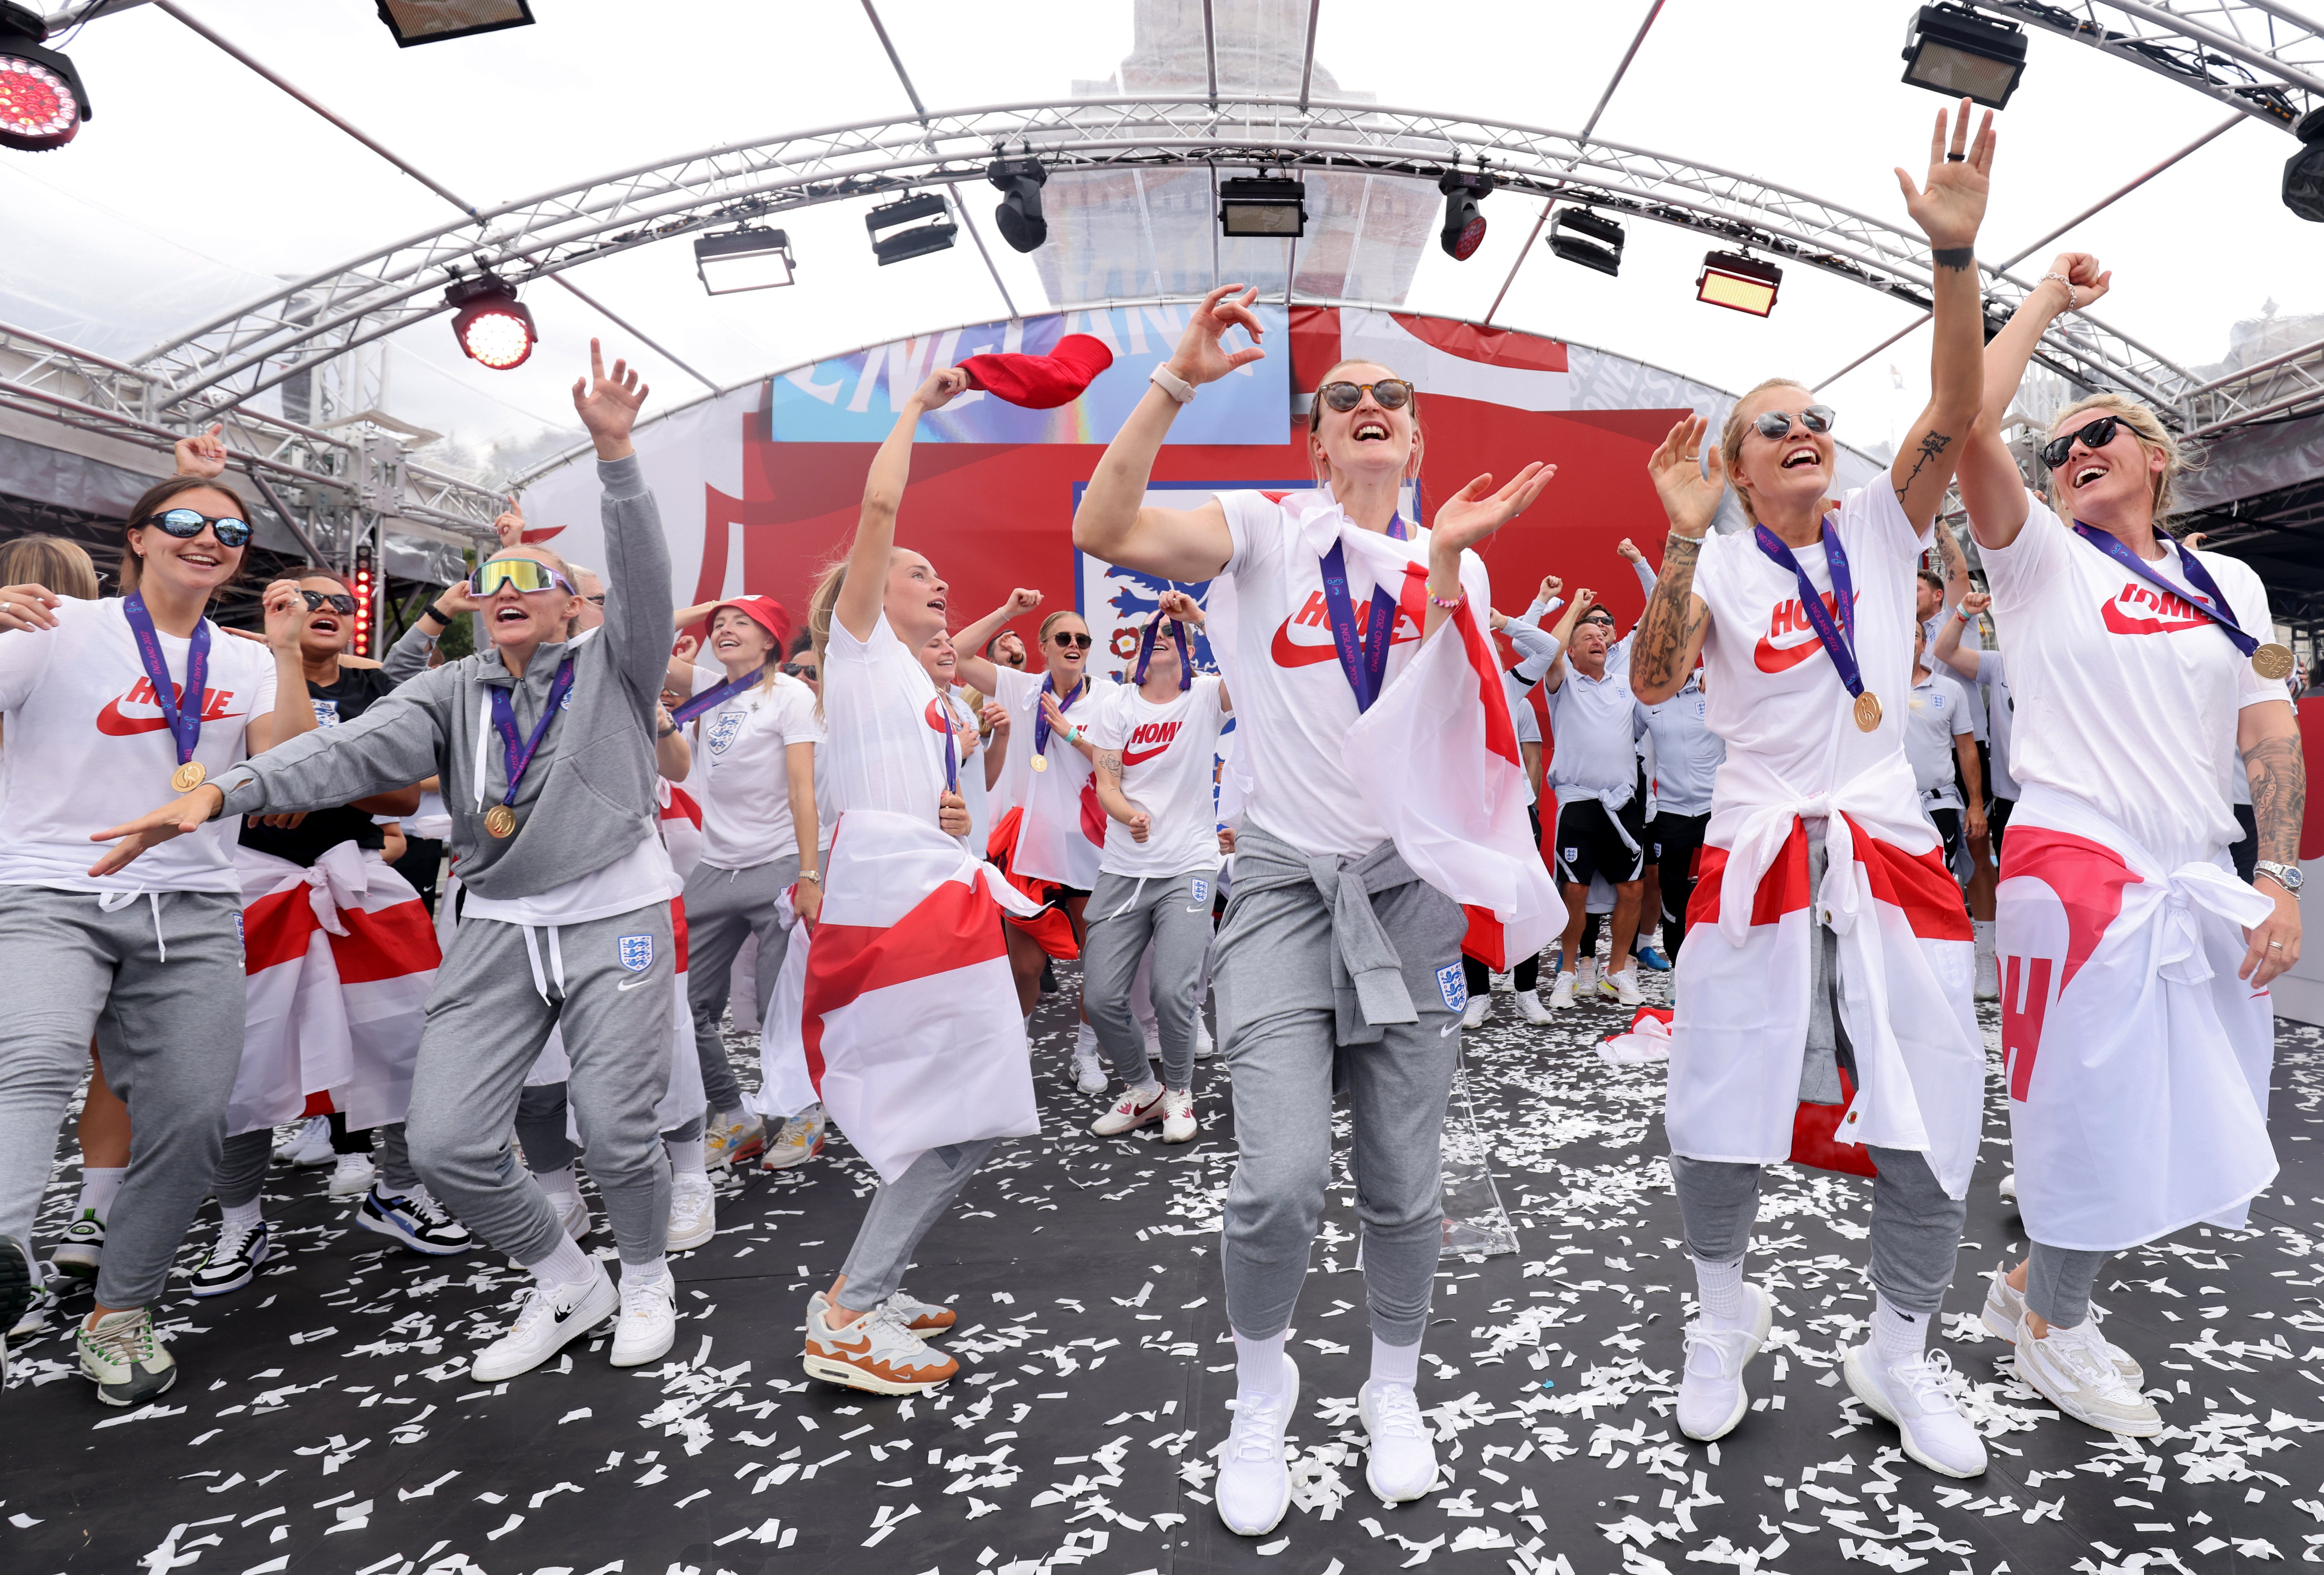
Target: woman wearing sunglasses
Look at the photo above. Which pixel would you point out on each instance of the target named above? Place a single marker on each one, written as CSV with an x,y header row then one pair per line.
x,y
545,748
108,705
1835,969
1336,953
2136,1029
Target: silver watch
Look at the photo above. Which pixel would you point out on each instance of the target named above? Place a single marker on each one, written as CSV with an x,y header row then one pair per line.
x,y
2284,875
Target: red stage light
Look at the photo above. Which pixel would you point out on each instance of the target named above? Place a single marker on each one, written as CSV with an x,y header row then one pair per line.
x,y
491,325
42,104
362,601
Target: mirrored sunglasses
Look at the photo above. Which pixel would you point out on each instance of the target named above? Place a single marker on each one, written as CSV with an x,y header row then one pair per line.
x,y
185,524
1774,424
337,602
2096,435
526,573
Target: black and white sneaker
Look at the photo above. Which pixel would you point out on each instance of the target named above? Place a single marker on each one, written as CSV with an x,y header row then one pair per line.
x,y
413,1219
234,1261
18,1282
81,1249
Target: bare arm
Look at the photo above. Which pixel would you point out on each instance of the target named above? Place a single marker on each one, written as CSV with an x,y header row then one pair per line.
x,y
293,713
1949,209
1114,801
861,598
1948,649
1990,481
1552,678
1531,754
1668,640
974,667
798,779
673,756
1956,562
2268,734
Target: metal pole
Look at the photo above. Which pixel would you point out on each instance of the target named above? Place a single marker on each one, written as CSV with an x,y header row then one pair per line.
x,y
630,328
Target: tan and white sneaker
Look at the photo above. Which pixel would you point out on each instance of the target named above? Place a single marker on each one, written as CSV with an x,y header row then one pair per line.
x,y
125,1358
693,1212
1179,1123
922,1317
2070,1368
1130,1112
733,1143
876,1353
2005,1309
799,1140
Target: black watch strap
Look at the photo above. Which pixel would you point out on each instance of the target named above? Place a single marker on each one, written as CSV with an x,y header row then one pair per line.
x,y
436,611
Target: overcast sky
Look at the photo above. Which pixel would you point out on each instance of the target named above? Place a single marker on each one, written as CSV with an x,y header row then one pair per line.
x,y
197,183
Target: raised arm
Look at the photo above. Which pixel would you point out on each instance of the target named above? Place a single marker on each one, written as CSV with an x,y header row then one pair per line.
x,y
860,599
1956,562
1114,522
1948,649
293,713
1668,640
974,667
1990,481
637,554
1639,564
1553,673
1949,209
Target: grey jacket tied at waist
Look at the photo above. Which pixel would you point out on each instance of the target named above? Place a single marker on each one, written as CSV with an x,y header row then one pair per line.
x,y
1368,985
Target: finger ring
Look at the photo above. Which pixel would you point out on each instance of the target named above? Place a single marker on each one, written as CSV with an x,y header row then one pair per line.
x,y
1955,158
2275,946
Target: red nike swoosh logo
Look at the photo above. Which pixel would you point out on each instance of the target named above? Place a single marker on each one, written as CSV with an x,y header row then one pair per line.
x,y
1290,653
112,724
1775,658
1132,756
2142,619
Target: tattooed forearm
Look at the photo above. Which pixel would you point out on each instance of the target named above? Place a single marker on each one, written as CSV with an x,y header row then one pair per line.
x,y
1670,629
1109,763
1933,444
2279,790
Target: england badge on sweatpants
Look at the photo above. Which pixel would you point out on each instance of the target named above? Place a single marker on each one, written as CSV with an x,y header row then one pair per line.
x,y
636,953
1453,986
1201,888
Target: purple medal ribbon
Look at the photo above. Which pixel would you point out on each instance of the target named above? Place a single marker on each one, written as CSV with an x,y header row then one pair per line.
x,y
1838,637
1041,720
1146,652
1364,660
952,748
184,717
2205,598
711,699
515,756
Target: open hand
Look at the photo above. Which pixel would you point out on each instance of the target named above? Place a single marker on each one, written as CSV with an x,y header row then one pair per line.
x,y
1950,206
607,404
179,817
1200,358
203,454
1690,497
1056,717
1474,512
286,614
994,716
26,606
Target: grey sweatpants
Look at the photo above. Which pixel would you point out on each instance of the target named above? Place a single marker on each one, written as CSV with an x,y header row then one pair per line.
x,y
1125,914
541,1113
1916,1230
902,1211
723,908
158,982
487,1022
2059,1283
1278,1032
242,1164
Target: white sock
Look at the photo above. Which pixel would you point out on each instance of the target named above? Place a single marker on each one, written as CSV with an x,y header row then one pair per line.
x,y
1147,1093
1259,1365
566,1265
1086,1039
1897,1336
1982,930
645,1274
241,1216
558,1181
733,1118
1395,1364
1721,1286
98,1186
684,1157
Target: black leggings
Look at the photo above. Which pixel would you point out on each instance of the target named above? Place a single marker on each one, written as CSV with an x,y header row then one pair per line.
x,y
1522,977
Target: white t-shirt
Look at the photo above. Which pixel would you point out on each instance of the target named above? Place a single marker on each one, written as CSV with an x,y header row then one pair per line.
x,y
1936,711
741,771
88,750
1167,754
640,878
1059,851
1594,724
2130,696
1775,695
883,736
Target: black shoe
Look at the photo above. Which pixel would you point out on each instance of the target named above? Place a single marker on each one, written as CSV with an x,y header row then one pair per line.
x,y
17,1284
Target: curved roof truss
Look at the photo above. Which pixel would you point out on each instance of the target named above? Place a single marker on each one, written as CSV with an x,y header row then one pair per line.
x,y
2260,56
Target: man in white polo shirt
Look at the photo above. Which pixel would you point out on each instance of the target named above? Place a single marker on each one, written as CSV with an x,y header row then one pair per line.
x,y
1937,737
1593,770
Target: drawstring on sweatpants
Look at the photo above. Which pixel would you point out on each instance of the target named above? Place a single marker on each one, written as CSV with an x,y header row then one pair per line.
x,y
1135,892
115,901
556,960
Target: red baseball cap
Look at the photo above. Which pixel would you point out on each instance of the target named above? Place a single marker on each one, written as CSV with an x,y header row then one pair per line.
x,y
766,612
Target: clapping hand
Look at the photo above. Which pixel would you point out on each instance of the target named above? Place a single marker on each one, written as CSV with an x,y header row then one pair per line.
x,y
1690,496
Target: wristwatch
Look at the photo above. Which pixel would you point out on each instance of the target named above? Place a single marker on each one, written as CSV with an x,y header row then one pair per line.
x,y
2284,875
1171,383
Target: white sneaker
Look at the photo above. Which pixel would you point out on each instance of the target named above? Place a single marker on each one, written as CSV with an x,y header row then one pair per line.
x,y
1914,1395
1130,1112
1400,1452
354,1175
233,1260
2069,1366
1179,1123
2009,1187
693,1212
648,1325
546,1324
875,1353
1205,1048
800,1140
1560,994
1711,1398
1089,1067
1988,972
1254,1485
1481,1006
1530,1008
572,1212
1623,986
310,1147
2005,1309
1585,975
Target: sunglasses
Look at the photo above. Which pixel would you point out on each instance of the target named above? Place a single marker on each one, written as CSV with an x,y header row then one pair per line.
x,y
595,601
1077,642
185,524
1774,424
802,670
2096,435
1392,392
345,606
526,573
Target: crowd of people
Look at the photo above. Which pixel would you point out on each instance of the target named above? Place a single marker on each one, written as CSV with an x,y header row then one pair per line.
x,y
462,924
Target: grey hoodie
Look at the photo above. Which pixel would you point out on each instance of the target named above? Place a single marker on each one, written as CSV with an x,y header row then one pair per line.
x,y
588,797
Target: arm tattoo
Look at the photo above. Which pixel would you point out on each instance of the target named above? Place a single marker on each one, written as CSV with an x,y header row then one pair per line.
x,y
1110,762
2279,790
1669,626
1933,444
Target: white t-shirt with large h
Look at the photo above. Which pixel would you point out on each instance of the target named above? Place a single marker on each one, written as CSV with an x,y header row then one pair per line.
x,y
1167,755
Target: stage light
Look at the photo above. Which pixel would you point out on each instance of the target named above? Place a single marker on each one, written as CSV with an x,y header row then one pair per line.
x,y
744,259
363,594
1954,51
41,103
1740,283
920,239
2304,173
1019,213
491,324
419,22
1261,206
1579,235
1464,226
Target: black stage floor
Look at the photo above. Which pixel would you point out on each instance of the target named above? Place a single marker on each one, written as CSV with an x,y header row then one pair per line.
x,y
324,1423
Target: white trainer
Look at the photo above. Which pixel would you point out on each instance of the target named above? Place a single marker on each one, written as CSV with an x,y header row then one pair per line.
x,y
1481,1006
648,1325
1585,976
353,1175
693,1212
2009,1187
1179,1123
2071,1368
1401,1453
1711,1398
1205,1046
546,1324
1254,1485
1530,1008
2005,1309
1560,994
1130,1112
1915,1396
1089,1067
1623,986
310,1147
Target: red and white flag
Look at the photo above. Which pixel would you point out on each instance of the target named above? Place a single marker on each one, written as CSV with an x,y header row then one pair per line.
x,y
911,1031
338,960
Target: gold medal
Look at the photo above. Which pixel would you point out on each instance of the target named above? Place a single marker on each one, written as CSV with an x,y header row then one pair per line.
x,y
2272,662
1868,711
1040,762
190,776
500,821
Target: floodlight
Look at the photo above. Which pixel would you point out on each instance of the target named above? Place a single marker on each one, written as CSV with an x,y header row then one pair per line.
x,y
1260,205
1743,284
744,259
41,103
1579,235
1464,226
419,22
2304,173
1954,51
491,324
917,241
1019,213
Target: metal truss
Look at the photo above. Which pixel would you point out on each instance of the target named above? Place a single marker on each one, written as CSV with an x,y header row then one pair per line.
x,y
271,338
2263,57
